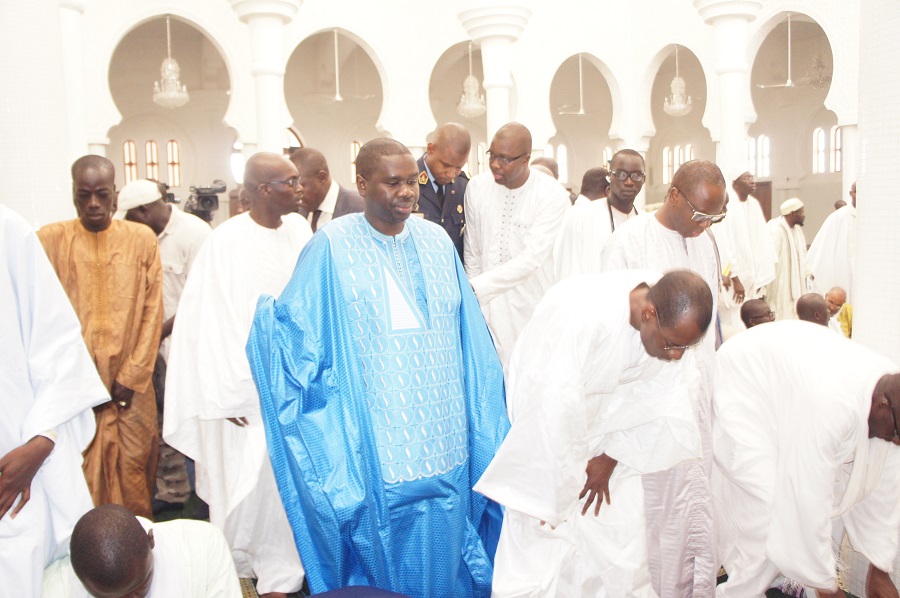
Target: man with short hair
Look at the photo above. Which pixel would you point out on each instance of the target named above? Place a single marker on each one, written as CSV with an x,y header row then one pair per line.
x,y
806,446
322,199
382,398
840,311
678,503
747,253
594,184
549,163
755,312
792,272
586,228
832,255
111,272
212,410
514,215
48,385
595,385
442,183
114,553
811,307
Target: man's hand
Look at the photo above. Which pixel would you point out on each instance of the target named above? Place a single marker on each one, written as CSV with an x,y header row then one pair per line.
x,y
599,470
738,289
17,468
879,584
239,421
121,395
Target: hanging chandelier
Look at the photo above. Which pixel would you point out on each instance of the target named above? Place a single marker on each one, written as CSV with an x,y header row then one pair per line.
x,y
678,104
168,92
471,103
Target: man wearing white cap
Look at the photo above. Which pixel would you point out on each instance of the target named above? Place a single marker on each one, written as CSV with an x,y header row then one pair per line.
x,y
792,269
748,258
180,237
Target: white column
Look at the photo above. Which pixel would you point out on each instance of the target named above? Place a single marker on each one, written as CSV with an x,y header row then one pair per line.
x,y
495,27
34,166
266,20
70,12
850,166
729,19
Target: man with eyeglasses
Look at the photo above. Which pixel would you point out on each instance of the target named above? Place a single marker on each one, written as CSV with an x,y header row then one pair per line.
x,y
514,215
792,274
586,228
678,501
755,312
806,447
598,395
747,253
212,412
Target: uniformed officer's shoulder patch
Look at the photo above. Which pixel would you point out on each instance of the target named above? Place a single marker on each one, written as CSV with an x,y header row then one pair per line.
x,y
465,174
423,177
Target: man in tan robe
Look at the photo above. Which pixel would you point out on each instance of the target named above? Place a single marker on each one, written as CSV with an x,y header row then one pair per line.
x,y
111,272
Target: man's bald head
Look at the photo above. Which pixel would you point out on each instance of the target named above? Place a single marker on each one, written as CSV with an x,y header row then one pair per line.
x,y
682,295
695,173
452,137
755,312
812,308
517,134
835,299
271,182
448,152
111,552
92,161
262,167
508,155
548,163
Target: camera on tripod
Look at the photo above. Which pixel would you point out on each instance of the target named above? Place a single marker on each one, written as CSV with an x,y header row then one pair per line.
x,y
203,201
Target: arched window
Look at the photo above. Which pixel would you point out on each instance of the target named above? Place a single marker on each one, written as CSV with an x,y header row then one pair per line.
x,y
689,152
751,156
237,161
667,165
173,155
837,149
354,151
607,157
763,155
562,158
679,159
291,141
820,149
129,158
151,150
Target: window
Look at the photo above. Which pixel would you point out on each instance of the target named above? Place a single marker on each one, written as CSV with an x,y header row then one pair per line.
x,y
173,153
237,161
354,151
689,152
152,154
837,149
129,157
667,165
763,156
751,156
562,159
607,157
819,150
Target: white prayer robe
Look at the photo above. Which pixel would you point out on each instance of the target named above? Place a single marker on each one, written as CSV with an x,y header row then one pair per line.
x,y
584,232
190,560
833,252
746,245
793,457
48,382
209,380
580,384
508,249
792,270
678,501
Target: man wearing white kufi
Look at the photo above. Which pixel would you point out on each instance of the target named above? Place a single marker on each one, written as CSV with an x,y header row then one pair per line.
x,y
748,258
806,446
596,385
792,270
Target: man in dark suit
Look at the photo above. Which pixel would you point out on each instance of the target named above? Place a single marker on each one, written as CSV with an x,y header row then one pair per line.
x,y
442,184
322,199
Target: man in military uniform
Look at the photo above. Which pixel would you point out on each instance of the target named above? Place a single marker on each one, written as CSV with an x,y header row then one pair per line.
x,y
442,184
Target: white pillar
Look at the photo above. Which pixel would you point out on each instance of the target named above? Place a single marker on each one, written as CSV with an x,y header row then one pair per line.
x,y
495,27
34,166
70,12
266,20
729,19
850,165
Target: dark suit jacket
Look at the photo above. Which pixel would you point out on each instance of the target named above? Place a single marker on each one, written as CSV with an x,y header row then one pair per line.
x,y
450,216
348,202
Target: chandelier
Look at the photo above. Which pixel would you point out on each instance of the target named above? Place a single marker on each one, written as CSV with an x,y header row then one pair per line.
x,y
471,103
168,92
678,104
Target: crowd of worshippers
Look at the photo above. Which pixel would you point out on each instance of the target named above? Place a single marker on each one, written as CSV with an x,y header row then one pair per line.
x,y
440,386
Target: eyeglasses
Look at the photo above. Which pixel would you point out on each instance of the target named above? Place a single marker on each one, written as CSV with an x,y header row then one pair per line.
x,y
637,176
699,216
503,160
666,345
290,182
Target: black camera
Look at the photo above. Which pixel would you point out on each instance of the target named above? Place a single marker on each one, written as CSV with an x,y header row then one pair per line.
x,y
203,201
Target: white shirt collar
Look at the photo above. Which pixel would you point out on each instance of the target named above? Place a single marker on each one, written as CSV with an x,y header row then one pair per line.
x,y
330,202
